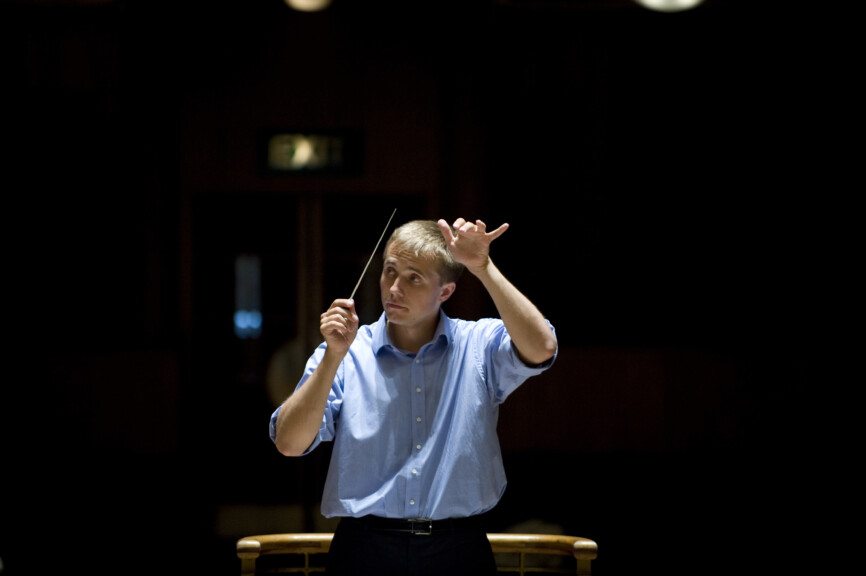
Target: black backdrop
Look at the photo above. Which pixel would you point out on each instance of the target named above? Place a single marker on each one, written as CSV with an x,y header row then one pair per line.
x,y
645,162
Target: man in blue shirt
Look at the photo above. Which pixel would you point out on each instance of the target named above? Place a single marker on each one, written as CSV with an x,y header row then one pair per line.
x,y
411,403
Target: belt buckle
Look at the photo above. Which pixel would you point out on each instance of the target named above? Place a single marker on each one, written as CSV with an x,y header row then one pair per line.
x,y
424,530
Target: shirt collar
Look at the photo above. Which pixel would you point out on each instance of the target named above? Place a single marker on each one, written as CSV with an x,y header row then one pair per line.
x,y
381,339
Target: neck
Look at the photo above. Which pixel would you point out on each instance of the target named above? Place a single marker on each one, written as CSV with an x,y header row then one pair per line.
x,y
411,338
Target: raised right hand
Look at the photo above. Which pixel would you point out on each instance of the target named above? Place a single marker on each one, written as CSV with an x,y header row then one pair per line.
x,y
339,325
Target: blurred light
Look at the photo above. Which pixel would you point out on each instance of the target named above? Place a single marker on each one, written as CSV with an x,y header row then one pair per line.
x,y
248,297
300,152
308,5
248,323
669,5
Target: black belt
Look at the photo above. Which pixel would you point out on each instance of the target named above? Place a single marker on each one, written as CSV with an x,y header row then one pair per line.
x,y
420,526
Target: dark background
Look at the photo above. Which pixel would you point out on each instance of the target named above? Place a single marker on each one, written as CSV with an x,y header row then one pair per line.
x,y
651,168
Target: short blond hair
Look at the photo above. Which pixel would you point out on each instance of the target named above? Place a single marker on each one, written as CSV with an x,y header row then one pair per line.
x,y
423,239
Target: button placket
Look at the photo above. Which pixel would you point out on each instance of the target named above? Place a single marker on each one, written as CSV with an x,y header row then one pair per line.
x,y
419,436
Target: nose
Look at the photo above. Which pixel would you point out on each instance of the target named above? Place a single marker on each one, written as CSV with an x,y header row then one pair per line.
x,y
395,286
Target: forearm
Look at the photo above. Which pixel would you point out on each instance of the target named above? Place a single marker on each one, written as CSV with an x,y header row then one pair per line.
x,y
535,341
301,414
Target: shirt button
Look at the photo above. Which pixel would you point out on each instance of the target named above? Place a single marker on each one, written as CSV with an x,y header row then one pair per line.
x,y
414,471
412,502
417,361
418,389
418,419
417,447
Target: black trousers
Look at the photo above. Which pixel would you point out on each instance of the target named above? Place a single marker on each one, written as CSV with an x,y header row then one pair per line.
x,y
364,548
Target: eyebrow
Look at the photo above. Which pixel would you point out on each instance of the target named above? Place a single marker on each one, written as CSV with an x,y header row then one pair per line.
x,y
393,262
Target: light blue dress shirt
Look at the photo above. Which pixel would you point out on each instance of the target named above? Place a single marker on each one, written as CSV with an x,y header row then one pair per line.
x,y
415,435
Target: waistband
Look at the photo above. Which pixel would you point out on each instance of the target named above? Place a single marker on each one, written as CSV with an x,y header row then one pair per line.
x,y
420,526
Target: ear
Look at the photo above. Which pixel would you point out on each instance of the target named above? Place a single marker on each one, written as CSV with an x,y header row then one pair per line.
x,y
446,290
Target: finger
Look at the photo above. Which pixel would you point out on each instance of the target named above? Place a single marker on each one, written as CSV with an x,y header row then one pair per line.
x,y
337,326
498,232
333,313
447,230
336,319
343,303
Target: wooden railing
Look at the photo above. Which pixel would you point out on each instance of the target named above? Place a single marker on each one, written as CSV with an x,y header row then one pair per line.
x,y
520,554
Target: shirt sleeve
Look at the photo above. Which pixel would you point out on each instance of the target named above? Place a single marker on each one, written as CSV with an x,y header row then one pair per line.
x,y
332,409
505,371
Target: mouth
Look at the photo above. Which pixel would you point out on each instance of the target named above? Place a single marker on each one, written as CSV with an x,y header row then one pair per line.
x,y
394,306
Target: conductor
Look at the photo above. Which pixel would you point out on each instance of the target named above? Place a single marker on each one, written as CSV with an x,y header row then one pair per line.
x,y
411,403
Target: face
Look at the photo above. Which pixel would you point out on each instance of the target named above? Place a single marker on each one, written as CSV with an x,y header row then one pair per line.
x,y
411,290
